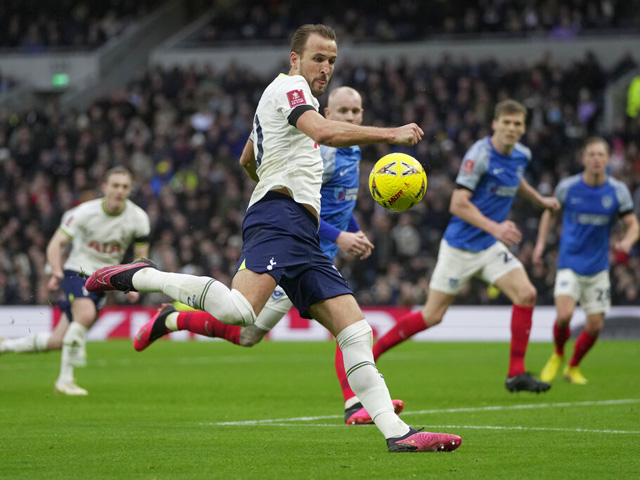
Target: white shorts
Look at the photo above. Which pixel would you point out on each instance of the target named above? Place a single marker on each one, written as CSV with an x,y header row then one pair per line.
x,y
592,292
455,267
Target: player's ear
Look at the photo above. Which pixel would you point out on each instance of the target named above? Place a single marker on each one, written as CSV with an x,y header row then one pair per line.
x,y
294,59
327,112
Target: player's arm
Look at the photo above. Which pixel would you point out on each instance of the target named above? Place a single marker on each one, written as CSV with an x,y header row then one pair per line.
x,y
547,220
461,206
248,161
54,257
536,198
632,233
342,134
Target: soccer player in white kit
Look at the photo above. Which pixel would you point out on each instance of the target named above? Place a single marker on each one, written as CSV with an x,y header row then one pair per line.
x,y
592,202
100,232
280,232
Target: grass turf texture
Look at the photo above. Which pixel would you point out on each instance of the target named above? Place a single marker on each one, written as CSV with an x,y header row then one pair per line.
x,y
158,414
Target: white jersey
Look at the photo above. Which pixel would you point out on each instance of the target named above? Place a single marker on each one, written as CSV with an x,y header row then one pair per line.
x,y
100,239
285,156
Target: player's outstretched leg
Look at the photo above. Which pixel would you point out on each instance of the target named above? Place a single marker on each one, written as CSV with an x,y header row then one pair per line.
x,y
153,329
525,382
202,293
118,277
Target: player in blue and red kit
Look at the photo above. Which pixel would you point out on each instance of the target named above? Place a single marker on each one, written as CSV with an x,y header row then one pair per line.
x,y
592,202
477,238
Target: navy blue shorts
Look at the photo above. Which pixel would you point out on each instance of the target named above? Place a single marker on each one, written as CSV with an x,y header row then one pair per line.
x,y
72,285
280,237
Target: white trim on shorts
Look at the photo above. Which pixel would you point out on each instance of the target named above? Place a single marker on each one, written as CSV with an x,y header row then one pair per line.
x,y
455,266
592,292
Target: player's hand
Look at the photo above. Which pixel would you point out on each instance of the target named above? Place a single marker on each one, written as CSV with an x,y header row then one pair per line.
x,y
408,135
623,246
508,233
366,244
550,203
54,281
133,297
356,244
536,255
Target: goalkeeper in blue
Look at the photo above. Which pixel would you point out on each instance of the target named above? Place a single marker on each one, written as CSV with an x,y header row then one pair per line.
x,y
592,202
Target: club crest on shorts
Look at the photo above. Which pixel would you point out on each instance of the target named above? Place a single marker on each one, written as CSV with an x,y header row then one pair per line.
x,y
272,262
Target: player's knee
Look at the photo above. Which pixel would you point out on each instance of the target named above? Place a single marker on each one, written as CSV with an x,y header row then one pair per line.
x,y
356,333
526,295
236,310
564,318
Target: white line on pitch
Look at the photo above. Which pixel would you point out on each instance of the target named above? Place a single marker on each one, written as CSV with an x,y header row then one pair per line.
x,y
434,427
445,410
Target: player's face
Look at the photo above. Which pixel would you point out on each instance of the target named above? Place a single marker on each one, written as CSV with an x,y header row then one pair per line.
x,y
316,63
508,130
345,106
116,191
595,158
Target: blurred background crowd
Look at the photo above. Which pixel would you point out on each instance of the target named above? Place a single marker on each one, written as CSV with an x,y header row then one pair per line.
x,y
181,132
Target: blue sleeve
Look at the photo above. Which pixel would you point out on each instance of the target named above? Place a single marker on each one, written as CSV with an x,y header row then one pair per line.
x,y
353,225
328,231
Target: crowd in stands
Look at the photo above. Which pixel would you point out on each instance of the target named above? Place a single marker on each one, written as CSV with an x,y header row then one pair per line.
x,y
35,26
411,20
181,133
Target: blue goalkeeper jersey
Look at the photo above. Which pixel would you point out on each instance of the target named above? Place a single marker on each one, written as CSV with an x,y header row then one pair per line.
x,y
589,213
494,180
339,190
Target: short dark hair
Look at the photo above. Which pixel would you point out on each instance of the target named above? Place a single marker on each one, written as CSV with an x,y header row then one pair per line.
x,y
595,139
299,39
117,170
509,107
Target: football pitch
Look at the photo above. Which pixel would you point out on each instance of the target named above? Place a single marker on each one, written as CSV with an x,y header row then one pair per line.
x,y
215,410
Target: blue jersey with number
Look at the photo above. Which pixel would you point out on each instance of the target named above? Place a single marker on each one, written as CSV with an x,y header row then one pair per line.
x,y
589,212
494,179
339,190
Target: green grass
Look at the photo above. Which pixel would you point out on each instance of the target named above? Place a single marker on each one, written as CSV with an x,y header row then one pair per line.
x,y
158,414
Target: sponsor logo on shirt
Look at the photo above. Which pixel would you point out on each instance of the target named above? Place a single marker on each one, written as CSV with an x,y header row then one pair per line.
x,y
105,247
296,97
592,219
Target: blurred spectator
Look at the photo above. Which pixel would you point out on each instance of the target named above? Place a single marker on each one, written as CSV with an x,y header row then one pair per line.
x,y
180,131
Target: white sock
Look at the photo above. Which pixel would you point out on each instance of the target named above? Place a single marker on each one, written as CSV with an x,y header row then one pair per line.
x,y
351,402
36,342
66,368
273,311
202,293
74,343
171,322
355,341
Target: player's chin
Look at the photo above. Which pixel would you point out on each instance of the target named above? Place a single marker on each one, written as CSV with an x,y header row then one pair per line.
x,y
319,89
